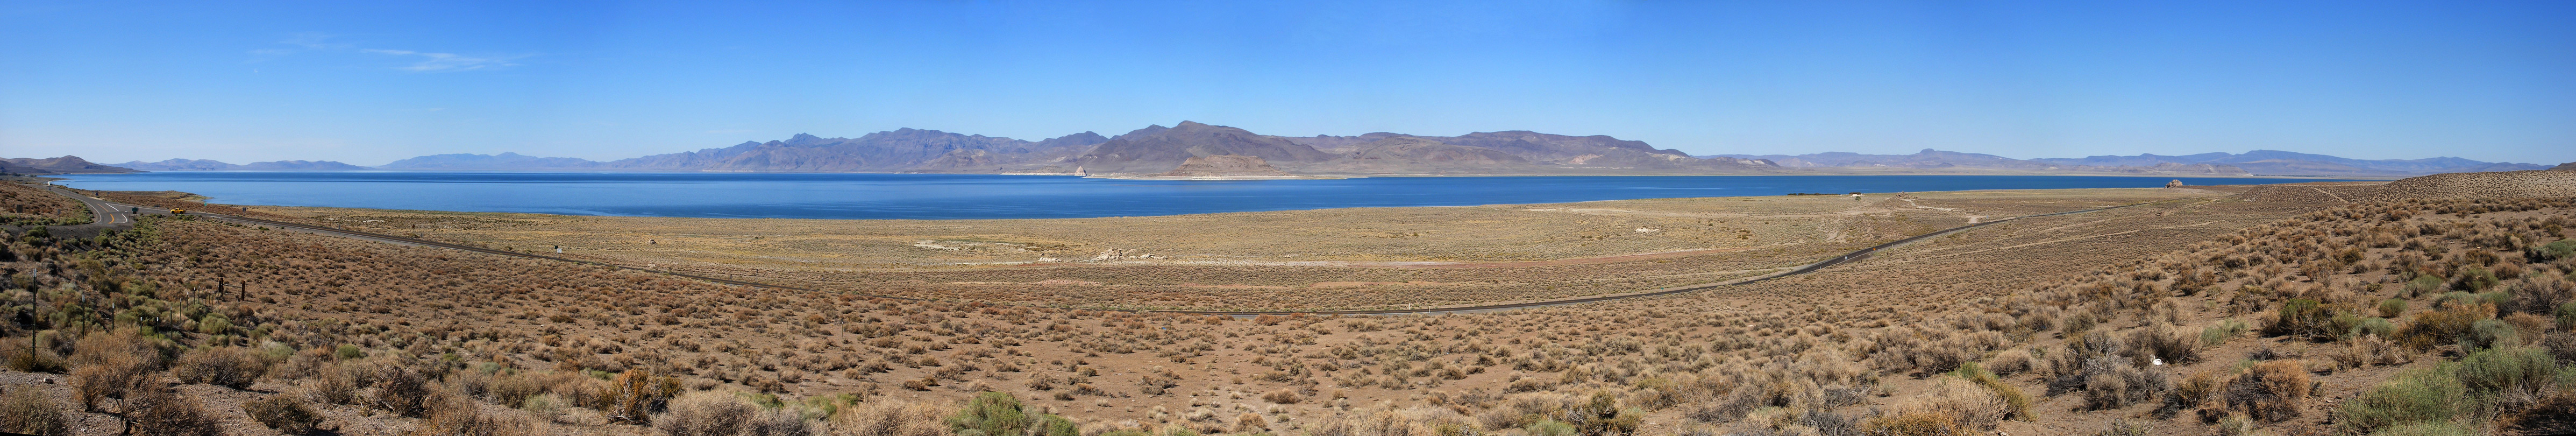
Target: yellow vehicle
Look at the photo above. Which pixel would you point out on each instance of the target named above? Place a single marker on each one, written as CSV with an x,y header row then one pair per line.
x,y
178,211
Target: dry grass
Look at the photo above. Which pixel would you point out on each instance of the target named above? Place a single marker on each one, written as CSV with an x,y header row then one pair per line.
x,y
25,205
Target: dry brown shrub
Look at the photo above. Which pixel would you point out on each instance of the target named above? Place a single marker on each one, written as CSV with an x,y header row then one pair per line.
x,y
704,413
28,410
113,366
2009,362
285,413
337,384
399,389
221,366
891,418
161,412
2270,391
635,395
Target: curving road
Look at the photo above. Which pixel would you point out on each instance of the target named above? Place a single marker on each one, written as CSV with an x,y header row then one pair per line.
x,y
117,214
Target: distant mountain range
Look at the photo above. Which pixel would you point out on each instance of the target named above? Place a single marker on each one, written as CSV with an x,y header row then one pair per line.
x,y
209,165
1160,150
2257,162
57,165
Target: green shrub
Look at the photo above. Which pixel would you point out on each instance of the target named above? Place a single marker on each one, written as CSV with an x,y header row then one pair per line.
x,y
990,414
2473,278
214,324
2422,285
2427,429
2370,326
347,352
1051,425
2566,315
2423,395
2016,403
2516,372
1549,428
2302,318
2562,249
2391,308
2488,333
2217,334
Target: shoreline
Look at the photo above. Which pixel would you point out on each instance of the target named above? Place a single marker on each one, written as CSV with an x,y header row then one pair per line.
x,y
190,196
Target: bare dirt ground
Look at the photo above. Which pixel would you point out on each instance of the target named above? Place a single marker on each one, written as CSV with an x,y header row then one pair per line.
x,y
1316,260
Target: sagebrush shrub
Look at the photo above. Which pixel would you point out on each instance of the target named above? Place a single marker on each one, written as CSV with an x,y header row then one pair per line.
x,y
2422,395
108,372
400,389
2269,391
29,410
889,418
221,366
704,413
636,395
2508,378
1282,396
161,412
990,413
285,413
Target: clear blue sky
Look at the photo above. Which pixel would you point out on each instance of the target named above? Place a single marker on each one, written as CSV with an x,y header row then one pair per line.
x,y
370,82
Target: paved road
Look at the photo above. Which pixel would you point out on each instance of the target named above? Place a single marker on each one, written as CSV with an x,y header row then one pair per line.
x,y
100,211
116,213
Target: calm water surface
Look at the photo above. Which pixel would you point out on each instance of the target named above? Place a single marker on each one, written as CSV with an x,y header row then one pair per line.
x,y
945,196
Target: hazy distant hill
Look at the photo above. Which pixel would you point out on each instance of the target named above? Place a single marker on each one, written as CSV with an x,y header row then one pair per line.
x,y
179,165
1157,149
2284,163
490,162
2257,162
212,165
1150,150
891,151
57,165
1937,161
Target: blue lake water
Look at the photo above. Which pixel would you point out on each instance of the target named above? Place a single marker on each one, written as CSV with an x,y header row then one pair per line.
x,y
947,196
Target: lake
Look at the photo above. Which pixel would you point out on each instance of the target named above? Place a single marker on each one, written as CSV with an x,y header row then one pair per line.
x,y
952,196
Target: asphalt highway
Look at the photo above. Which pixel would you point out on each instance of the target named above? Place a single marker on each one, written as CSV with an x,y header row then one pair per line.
x,y
111,213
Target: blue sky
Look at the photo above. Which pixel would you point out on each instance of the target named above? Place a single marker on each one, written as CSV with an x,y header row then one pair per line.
x,y
370,82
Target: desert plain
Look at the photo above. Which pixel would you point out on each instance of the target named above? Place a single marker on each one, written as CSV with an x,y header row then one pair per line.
x,y
2326,308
